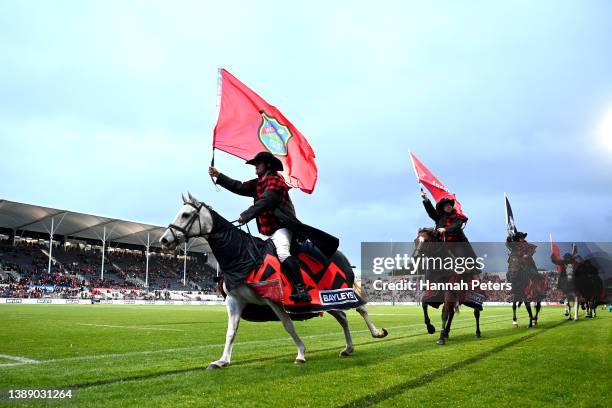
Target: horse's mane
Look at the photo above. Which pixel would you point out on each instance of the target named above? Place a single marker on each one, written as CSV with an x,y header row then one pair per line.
x,y
236,250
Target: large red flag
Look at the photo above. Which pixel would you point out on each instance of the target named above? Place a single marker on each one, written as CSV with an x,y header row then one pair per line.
x,y
247,125
555,253
432,183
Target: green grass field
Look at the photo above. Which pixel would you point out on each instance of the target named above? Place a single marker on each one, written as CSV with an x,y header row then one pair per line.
x,y
119,356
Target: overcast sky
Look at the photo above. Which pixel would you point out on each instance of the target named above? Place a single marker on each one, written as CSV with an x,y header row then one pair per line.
x,y
108,108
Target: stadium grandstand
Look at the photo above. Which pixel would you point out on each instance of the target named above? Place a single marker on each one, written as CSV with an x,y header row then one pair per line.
x,y
48,252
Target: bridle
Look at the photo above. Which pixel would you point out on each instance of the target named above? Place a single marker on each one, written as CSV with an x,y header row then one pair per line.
x,y
192,219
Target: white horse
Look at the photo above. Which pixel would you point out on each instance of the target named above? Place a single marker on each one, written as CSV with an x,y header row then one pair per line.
x,y
196,220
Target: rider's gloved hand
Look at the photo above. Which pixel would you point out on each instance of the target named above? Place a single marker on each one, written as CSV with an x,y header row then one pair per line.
x,y
213,172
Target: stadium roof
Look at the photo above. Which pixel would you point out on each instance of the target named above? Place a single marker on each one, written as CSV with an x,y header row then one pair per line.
x,y
36,218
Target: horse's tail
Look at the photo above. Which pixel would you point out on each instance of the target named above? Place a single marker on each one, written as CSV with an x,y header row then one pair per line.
x,y
345,265
357,288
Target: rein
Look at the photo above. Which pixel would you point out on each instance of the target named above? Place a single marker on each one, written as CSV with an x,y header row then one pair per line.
x,y
196,216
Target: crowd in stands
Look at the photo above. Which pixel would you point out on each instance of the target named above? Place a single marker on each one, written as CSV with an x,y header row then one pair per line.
x,y
76,270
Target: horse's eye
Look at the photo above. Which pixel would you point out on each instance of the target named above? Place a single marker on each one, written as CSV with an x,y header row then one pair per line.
x,y
185,215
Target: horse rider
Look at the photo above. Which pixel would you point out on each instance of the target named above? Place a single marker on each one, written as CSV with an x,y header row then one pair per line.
x,y
449,227
522,252
270,195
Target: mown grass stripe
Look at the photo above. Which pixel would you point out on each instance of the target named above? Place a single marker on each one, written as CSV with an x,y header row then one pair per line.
x,y
377,397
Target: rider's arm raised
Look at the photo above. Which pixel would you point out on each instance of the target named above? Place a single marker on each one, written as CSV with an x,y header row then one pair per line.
x,y
431,211
237,187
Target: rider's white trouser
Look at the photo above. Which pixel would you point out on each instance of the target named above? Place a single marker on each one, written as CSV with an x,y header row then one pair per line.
x,y
282,241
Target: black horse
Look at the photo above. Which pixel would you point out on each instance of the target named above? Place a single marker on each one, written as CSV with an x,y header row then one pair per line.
x,y
527,284
428,245
589,286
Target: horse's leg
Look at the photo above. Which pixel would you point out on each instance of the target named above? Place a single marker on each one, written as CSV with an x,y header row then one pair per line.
x,y
234,308
288,325
529,312
444,319
431,329
567,307
447,317
477,317
538,307
514,306
376,332
449,321
575,307
340,316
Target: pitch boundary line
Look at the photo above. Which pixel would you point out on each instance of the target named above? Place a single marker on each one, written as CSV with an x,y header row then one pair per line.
x,y
219,345
385,394
18,360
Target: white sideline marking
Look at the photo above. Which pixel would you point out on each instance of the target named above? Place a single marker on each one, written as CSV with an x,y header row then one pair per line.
x,y
390,314
18,360
129,327
220,345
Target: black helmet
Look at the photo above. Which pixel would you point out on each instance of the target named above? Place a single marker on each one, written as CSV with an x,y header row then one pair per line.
x,y
267,157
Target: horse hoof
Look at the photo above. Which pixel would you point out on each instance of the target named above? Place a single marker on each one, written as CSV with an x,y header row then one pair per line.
x,y
477,335
213,366
346,352
299,361
431,329
381,334
514,325
441,341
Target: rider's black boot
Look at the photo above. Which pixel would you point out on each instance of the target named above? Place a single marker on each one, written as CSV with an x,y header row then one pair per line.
x,y
291,269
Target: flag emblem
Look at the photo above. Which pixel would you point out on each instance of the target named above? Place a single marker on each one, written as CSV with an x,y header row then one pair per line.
x,y
273,135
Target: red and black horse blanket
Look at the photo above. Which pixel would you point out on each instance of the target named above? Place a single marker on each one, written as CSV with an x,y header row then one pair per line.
x,y
330,283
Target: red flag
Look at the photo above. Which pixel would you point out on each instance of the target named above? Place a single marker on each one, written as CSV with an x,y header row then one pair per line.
x,y
555,253
432,183
247,125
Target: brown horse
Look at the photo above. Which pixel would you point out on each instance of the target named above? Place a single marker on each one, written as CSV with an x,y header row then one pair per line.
x,y
427,244
527,284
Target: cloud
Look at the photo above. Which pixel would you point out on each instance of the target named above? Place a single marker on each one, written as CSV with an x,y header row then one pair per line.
x,y
108,107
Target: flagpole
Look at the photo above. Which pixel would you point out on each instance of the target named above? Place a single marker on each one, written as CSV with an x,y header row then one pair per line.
x,y
506,211
415,170
218,106
551,242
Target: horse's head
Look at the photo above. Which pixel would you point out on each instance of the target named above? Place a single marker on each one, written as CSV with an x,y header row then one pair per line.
x,y
192,220
423,235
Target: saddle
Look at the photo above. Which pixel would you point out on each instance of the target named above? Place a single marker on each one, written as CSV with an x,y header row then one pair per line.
x,y
330,281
